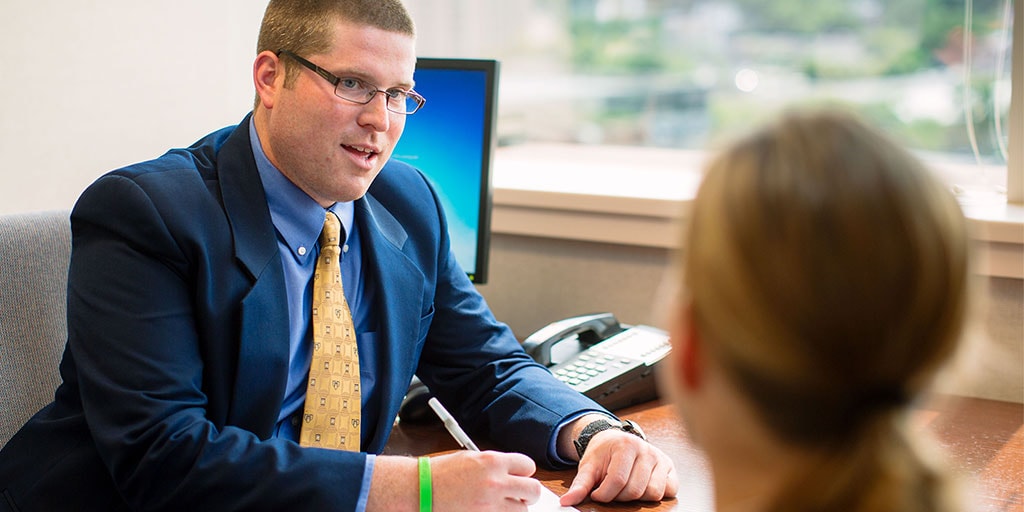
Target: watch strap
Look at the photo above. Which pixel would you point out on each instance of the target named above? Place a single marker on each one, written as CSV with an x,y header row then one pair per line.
x,y
594,427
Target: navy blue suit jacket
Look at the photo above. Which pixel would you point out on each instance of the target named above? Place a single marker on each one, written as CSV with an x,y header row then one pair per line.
x,y
176,360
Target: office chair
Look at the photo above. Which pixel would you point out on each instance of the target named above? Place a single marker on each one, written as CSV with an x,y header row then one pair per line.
x,y
35,250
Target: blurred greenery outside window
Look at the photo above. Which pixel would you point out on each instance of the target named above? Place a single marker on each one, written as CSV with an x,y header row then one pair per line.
x,y
934,74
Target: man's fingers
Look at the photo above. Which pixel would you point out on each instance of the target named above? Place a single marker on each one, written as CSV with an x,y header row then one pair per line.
x,y
521,487
672,485
663,483
642,480
573,496
581,486
616,477
526,490
518,464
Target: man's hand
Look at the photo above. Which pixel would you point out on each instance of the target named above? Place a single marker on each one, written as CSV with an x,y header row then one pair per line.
x,y
486,481
463,480
618,466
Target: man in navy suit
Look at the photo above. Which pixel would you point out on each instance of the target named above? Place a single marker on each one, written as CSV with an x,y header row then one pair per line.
x,y
189,345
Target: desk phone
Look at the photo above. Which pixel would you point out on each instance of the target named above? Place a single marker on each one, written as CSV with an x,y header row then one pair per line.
x,y
612,364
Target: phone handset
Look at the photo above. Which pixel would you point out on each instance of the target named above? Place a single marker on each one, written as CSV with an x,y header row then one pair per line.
x,y
588,330
611,363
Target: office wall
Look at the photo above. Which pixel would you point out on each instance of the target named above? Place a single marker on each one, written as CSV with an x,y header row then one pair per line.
x,y
535,281
91,86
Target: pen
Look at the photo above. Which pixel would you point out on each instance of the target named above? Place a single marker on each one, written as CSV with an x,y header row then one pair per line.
x,y
453,426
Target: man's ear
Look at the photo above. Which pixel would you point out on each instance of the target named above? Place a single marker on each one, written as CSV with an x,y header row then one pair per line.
x,y
268,77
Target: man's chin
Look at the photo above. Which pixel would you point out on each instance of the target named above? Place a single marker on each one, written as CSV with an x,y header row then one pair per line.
x,y
353,191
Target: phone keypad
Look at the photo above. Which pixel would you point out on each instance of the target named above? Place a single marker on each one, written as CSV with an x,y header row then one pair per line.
x,y
614,356
588,366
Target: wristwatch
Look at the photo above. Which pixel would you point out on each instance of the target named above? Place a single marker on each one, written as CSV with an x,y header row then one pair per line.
x,y
628,426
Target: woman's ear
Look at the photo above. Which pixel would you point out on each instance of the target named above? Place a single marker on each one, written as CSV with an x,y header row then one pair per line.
x,y
686,367
691,369
266,72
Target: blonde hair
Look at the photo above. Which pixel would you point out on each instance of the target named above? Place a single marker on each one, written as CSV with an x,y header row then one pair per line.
x,y
827,270
304,26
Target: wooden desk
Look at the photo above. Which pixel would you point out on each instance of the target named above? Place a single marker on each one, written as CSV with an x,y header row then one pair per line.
x,y
983,439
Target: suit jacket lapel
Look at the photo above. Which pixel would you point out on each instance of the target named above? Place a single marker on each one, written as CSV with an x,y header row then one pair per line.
x,y
398,301
262,369
245,203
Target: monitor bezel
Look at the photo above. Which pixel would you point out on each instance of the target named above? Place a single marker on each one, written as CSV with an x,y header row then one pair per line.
x,y
490,68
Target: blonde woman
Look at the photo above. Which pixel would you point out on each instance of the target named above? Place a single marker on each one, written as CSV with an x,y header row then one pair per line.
x,y
824,280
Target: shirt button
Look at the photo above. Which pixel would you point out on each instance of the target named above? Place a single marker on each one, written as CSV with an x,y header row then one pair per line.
x,y
344,249
302,251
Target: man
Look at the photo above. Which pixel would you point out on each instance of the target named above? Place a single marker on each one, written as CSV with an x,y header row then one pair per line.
x,y
190,326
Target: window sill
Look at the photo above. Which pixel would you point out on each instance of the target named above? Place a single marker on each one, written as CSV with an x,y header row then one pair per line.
x,y
637,196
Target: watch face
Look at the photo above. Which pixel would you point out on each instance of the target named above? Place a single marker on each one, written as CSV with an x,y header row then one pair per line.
x,y
631,426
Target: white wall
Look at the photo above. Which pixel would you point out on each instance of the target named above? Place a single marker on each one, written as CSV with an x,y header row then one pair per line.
x,y
87,87
91,86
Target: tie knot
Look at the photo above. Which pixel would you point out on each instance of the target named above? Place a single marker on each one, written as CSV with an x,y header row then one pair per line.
x,y
332,231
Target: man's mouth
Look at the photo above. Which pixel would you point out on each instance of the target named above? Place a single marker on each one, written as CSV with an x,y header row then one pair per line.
x,y
360,151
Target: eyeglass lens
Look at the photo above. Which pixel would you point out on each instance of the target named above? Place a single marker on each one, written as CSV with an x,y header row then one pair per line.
x,y
361,92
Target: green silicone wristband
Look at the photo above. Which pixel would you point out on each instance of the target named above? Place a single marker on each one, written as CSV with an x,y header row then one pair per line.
x,y
426,486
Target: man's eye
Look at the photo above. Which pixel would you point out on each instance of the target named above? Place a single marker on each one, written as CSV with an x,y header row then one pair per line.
x,y
396,94
350,84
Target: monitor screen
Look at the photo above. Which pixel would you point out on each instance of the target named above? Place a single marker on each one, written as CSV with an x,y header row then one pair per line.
x,y
452,139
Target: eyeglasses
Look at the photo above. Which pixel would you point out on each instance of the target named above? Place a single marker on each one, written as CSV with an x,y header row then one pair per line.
x,y
358,91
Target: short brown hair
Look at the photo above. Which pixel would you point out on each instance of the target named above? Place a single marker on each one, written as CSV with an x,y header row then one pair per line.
x,y
304,26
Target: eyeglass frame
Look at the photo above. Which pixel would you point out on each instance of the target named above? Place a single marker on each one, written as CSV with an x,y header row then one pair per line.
x,y
334,80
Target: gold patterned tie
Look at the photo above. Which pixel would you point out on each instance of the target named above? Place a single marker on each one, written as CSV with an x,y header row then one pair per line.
x,y
331,416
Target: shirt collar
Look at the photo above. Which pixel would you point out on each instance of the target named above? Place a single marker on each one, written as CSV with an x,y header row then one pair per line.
x,y
296,216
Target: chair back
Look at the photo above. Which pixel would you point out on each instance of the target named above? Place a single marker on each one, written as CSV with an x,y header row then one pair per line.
x,y
35,250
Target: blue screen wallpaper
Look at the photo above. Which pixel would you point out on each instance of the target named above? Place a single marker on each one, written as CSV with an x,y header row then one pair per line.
x,y
445,140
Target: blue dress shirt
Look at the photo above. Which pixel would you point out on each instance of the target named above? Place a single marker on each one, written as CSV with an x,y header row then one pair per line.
x,y
298,220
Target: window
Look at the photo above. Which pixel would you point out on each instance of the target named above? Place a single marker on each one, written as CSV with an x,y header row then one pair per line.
x,y
684,74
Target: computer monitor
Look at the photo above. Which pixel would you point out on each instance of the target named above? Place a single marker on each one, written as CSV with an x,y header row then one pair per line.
x,y
452,140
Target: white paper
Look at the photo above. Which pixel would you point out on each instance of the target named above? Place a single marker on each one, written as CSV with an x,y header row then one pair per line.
x,y
549,503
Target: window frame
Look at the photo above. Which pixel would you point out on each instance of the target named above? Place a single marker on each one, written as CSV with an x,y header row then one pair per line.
x,y
540,189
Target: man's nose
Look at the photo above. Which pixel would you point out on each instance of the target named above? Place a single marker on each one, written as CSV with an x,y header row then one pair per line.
x,y
376,113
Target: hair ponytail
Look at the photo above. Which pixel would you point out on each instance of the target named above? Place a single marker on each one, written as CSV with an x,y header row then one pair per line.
x,y
881,469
